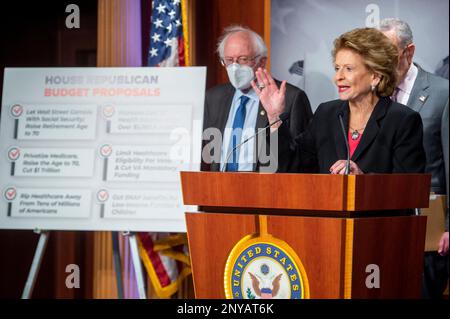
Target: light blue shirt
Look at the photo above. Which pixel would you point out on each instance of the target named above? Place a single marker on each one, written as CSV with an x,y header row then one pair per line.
x,y
247,156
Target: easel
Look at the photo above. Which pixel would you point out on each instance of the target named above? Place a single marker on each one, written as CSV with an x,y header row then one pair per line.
x,y
42,244
35,264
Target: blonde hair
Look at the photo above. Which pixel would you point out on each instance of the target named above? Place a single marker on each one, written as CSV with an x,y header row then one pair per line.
x,y
379,54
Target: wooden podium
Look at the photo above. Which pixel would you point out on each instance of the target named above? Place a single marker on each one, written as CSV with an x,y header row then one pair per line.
x,y
355,236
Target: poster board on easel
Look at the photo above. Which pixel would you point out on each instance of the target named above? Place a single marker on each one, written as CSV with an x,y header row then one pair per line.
x,y
97,149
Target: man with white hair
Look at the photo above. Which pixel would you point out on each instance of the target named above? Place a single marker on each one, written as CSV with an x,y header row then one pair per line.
x,y
233,113
428,95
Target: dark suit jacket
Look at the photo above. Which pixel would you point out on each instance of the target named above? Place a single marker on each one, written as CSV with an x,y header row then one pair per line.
x,y
217,108
391,142
429,97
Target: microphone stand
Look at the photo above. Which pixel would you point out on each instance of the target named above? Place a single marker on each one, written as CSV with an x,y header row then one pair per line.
x,y
347,165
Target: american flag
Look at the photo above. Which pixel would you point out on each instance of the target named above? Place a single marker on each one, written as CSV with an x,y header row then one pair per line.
x,y
167,46
166,266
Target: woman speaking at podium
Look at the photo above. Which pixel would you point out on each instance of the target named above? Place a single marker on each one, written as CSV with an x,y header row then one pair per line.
x,y
365,131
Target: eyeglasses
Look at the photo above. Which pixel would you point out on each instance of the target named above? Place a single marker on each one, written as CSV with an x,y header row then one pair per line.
x,y
243,60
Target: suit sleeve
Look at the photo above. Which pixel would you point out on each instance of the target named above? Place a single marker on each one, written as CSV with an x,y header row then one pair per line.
x,y
300,117
299,149
408,151
301,113
444,141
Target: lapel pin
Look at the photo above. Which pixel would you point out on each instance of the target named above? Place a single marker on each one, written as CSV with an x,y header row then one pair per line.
x,y
262,113
422,98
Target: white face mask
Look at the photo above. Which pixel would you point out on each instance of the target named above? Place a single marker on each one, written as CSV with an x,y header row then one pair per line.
x,y
240,75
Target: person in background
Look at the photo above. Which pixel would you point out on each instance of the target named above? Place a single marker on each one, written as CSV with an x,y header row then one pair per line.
x,y
427,94
234,111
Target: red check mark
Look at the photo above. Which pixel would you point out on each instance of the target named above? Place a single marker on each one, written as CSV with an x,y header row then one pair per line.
x,y
106,150
108,111
102,195
10,193
13,154
16,110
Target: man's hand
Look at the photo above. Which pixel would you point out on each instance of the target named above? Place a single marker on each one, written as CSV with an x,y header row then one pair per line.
x,y
443,244
271,98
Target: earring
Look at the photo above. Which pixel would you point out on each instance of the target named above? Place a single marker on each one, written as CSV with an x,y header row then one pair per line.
x,y
373,87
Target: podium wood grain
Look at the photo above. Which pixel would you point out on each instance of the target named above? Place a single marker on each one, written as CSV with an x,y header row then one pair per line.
x,y
337,225
211,238
316,192
394,244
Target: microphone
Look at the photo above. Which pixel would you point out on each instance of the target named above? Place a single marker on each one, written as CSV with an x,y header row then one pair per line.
x,y
283,117
347,166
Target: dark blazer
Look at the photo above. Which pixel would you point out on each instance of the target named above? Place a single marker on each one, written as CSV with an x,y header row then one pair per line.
x,y
429,97
217,108
391,142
